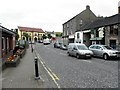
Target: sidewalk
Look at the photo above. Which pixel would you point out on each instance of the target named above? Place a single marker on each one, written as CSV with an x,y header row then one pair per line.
x,y
23,76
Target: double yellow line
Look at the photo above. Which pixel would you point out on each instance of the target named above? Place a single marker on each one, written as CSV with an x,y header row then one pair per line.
x,y
54,77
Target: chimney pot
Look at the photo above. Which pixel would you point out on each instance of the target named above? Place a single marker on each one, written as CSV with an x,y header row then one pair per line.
x,y
119,7
87,7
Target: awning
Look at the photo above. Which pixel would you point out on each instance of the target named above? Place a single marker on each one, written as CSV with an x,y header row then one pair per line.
x,y
97,38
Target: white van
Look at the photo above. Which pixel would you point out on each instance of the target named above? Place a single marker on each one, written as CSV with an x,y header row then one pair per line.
x,y
79,50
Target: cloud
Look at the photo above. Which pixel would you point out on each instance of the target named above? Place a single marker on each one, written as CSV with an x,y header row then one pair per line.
x,y
50,14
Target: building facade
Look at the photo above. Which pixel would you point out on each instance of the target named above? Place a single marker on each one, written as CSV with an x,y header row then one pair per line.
x,y
74,24
7,43
34,34
105,31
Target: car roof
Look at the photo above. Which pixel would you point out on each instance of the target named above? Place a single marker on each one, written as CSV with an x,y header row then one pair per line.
x,y
98,45
76,44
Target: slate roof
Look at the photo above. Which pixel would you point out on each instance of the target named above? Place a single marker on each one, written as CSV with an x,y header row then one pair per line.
x,y
29,29
3,29
115,19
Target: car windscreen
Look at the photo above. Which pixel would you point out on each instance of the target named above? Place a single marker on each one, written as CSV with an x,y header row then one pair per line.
x,y
82,47
107,47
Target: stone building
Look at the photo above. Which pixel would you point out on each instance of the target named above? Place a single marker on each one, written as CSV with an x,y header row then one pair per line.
x,y
74,24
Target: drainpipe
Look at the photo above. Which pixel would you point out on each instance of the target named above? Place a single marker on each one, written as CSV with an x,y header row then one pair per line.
x,y
118,26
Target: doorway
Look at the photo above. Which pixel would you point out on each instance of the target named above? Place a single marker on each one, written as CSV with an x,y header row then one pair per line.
x,y
113,44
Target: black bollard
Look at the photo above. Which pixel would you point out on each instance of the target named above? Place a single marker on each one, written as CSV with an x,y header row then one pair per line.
x,y
36,69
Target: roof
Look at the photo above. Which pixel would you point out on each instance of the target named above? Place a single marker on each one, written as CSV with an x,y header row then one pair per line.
x,y
7,30
115,19
29,29
84,15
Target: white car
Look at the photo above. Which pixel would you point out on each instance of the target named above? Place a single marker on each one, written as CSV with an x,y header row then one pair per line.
x,y
79,50
46,41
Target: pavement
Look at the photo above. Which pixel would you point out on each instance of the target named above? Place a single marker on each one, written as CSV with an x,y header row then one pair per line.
x,y
23,76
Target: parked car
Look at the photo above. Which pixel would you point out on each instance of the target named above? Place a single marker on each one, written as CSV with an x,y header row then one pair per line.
x,y
79,50
40,41
56,45
104,51
46,41
63,47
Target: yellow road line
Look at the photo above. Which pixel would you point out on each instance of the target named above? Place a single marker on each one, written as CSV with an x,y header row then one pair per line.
x,y
49,71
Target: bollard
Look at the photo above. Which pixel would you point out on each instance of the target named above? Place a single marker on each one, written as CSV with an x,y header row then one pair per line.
x,y
36,69
32,50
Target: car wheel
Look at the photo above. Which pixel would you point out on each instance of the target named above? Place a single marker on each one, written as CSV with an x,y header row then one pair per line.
x,y
105,56
77,56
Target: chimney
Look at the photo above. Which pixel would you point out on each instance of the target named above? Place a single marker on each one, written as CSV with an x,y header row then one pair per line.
x,y
119,7
87,7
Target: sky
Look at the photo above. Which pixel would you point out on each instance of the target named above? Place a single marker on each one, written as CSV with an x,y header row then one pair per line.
x,y
49,15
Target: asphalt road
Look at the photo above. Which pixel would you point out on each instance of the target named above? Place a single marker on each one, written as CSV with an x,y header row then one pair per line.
x,y
70,72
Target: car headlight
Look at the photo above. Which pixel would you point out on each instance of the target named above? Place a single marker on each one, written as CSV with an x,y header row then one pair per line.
x,y
112,53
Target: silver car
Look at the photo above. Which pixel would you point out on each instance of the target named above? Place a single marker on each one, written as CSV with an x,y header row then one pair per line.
x,y
104,51
79,50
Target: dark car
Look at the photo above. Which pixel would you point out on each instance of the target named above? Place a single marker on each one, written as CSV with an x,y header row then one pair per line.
x,y
63,47
56,45
40,41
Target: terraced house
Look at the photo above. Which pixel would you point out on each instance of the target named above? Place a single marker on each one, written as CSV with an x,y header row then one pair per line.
x,y
103,31
7,43
74,24
34,34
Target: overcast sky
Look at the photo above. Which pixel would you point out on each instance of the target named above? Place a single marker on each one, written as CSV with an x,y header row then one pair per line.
x,y
49,15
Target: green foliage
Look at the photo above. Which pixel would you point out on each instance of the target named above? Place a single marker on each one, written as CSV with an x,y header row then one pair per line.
x,y
44,36
26,35
16,32
49,36
58,34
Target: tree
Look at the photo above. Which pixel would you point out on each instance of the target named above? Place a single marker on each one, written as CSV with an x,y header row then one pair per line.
x,y
16,32
58,34
26,35
44,36
49,36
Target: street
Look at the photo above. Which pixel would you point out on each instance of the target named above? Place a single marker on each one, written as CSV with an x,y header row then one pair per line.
x,y
70,72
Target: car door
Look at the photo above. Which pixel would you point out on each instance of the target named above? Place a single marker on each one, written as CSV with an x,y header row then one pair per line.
x,y
93,49
70,49
74,51
99,51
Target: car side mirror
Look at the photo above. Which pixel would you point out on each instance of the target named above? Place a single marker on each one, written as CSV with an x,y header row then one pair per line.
x,y
101,49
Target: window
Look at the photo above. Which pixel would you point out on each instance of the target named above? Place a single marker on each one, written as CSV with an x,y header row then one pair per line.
x,y
93,47
114,30
3,43
77,35
67,25
7,43
98,47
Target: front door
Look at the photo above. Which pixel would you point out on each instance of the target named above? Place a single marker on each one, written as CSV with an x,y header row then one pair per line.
x,y
113,44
